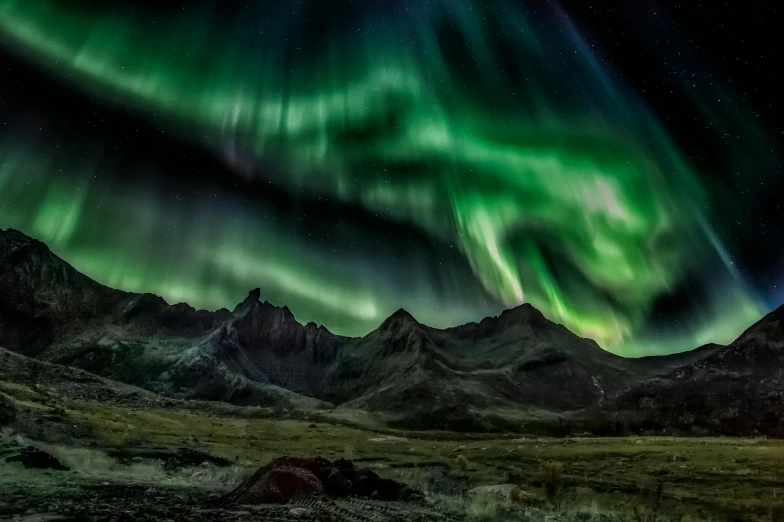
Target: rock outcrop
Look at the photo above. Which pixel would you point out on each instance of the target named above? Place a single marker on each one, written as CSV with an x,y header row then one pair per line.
x,y
7,411
286,479
34,458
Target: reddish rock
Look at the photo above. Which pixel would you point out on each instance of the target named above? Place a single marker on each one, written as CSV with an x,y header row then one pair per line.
x,y
287,478
278,482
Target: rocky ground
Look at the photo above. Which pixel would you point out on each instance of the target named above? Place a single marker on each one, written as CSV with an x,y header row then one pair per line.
x,y
108,502
37,486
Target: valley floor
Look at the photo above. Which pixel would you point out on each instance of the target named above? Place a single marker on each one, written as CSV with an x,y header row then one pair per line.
x,y
115,473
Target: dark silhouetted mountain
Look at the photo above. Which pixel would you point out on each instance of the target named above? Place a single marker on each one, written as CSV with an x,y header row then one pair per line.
x,y
518,371
732,390
451,378
52,312
42,296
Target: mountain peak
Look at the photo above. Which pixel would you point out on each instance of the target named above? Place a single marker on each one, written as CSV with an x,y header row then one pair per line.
x,y
401,319
400,315
253,305
524,314
14,233
770,327
400,312
11,240
523,311
250,302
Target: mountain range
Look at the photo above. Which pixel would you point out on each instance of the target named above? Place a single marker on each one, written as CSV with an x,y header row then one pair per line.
x,y
517,372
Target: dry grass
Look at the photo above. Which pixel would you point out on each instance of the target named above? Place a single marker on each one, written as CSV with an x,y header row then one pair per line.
x,y
462,463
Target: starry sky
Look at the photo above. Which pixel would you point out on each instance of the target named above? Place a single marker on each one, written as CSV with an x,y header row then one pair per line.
x,y
618,166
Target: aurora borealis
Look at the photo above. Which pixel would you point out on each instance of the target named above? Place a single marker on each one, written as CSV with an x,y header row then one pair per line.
x,y
452,157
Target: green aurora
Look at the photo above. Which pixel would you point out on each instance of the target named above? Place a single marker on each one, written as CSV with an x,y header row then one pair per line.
x,y
546,182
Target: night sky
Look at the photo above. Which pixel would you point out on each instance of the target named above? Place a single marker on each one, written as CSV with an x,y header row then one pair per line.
x,y
616,164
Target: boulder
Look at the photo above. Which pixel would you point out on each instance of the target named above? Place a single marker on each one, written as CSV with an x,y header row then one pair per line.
x,y
34,458
278,482
287,478
501,492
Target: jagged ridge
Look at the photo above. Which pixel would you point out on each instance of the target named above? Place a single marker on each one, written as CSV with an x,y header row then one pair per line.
x,y
495,374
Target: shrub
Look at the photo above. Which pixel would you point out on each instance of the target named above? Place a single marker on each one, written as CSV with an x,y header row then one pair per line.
x,y
552,479
462,462
7,411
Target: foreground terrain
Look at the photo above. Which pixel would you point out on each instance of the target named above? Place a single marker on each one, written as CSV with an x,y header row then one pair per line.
x,y
119,445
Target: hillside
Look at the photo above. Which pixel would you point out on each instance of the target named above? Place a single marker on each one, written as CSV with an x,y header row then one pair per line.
x,y
732,390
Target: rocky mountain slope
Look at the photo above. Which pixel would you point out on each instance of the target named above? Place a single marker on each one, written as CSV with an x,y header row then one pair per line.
x,y
506,372
733,390
50,311
453,378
